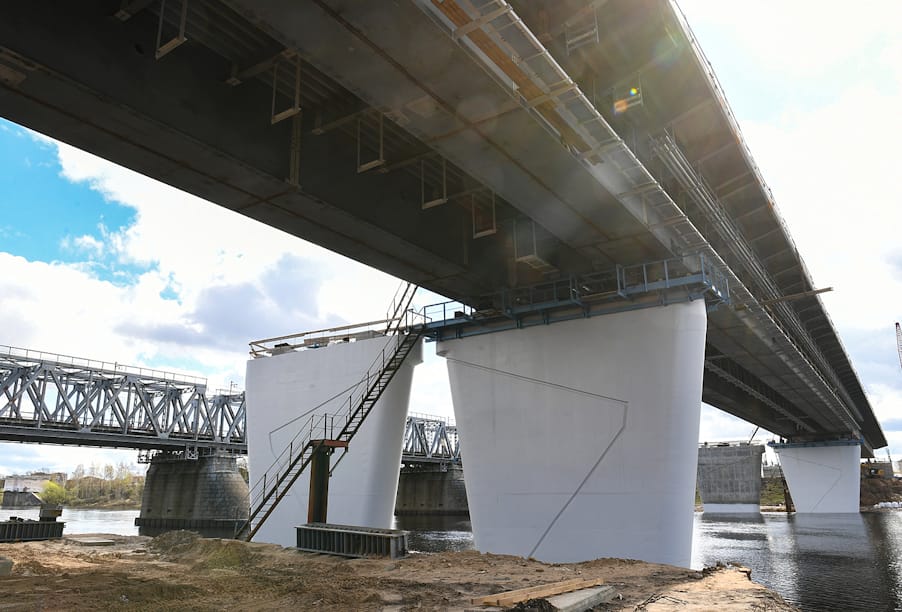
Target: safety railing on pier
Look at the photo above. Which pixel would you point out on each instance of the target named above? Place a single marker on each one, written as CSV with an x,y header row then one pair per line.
x,y
668,281
319,338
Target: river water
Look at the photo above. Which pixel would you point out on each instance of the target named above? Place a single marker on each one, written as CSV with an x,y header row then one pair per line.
x,y
849,562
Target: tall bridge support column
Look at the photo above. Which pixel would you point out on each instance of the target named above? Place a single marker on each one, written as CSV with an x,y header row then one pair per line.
x,y
207,495
823,477
729,478
283,390
580,438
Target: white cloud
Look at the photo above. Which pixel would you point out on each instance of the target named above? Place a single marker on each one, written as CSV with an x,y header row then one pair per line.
x,y
85,243
832,171
826,146
802,39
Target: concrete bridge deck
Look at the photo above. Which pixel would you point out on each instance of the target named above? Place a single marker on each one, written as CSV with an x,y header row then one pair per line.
x,y
504,145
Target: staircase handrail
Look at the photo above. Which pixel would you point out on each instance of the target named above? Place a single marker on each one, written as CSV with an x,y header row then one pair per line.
x,y
400,306
315,423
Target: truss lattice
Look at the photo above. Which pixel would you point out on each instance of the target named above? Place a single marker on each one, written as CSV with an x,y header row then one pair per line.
x,y
430,439
58,399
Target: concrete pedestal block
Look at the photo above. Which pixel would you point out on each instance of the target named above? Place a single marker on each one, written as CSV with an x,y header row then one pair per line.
x,y
207,495
283,390
729,478
823,477
6,566
580,439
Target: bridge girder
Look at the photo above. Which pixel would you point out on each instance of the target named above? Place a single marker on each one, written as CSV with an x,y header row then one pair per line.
x,y
350,164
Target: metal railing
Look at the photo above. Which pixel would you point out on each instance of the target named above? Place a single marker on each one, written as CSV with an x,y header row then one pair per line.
x,y
13,354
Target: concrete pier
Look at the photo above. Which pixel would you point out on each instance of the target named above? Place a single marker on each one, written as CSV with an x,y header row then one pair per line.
x,y
20,499
207,495
729,478
431,488
285,389
581,438
823,477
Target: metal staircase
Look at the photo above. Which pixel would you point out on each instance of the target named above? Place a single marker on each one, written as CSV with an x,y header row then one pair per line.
x,y
335,430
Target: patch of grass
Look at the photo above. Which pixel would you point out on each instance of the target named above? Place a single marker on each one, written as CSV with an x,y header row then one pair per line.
x,y
772,492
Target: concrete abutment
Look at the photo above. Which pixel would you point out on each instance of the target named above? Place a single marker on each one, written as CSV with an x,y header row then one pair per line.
x,y
580,438
729,478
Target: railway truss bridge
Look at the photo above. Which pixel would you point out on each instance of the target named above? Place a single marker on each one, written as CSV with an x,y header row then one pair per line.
x,y
58,399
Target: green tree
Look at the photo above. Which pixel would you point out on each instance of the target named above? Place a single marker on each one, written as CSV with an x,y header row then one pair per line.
x,y
54,494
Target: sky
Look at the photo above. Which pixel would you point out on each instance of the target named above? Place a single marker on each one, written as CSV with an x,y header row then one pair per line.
x,y
100,262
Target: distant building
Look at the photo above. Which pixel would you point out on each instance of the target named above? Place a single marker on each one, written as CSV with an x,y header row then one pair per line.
x,y
33,482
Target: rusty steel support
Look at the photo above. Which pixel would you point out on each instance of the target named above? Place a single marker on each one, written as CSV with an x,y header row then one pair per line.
x,y
318,500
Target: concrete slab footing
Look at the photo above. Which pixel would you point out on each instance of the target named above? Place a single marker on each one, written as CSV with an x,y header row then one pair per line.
x,y
729,478
580,439
284,389
823,477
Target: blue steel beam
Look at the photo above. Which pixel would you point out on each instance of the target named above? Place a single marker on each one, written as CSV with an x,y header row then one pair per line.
x,y
625,288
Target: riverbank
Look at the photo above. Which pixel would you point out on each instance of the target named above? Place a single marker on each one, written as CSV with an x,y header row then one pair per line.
x,y
180,571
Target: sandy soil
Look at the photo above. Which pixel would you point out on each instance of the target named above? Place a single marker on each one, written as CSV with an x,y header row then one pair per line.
x,y
180,571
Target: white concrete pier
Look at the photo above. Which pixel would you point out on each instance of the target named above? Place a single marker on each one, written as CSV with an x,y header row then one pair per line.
x,y
282,388
580,438
823,477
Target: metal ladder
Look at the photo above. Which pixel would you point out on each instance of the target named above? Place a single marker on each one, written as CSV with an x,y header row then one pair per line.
x,y
319,430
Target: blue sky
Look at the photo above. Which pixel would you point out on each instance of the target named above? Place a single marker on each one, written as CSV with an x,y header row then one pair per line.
x,y
53,220
100,262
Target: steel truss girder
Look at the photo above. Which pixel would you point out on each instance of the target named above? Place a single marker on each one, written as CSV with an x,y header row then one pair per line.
x,y
64,402
430,439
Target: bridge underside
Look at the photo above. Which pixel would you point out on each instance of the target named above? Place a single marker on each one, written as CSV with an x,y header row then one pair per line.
x,y
367,128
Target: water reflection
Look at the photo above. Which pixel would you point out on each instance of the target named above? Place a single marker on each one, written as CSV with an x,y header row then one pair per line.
x,y
818,562
83,520
436,533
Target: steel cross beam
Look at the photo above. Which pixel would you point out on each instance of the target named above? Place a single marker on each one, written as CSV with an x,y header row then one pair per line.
x,y
66,400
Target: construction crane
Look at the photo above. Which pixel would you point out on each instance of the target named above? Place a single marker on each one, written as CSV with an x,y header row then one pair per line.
x,y
899,342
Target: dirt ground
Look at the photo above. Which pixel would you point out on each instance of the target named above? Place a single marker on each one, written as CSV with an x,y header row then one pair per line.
x,y
180,571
